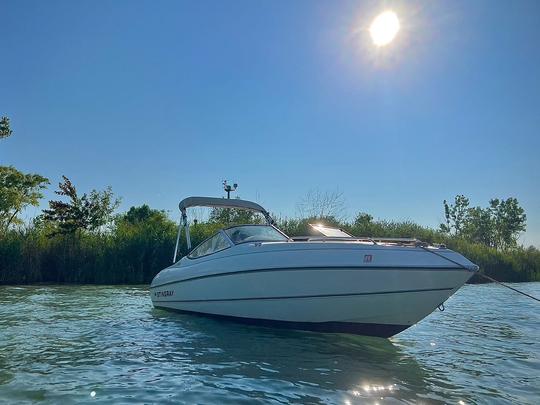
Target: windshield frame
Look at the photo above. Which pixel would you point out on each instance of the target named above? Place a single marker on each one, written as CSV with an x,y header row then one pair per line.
x,y
286,237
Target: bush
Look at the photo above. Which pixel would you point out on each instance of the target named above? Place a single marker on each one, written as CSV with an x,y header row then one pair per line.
x,y
141,243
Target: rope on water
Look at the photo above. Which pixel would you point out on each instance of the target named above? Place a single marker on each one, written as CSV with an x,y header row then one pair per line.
x,y
481,275
507,286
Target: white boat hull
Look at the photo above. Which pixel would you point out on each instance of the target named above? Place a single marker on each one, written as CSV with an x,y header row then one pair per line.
x,y
378,298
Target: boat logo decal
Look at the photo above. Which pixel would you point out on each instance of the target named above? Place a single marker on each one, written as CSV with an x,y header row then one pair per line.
x,y
164,293
368,258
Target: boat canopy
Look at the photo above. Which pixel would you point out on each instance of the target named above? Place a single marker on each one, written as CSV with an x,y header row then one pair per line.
x,y
223,203
219,202
214,202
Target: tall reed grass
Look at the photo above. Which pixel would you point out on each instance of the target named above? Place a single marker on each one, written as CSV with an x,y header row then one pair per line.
x,y
134,252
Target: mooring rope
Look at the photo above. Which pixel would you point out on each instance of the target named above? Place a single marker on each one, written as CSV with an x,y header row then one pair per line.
x,y
482,275
507,286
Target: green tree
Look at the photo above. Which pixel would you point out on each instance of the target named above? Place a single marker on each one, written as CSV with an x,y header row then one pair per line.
x,y
145,240
498,225
80,213
149,223
479,227
5,129
140,214
18,191
363,223
455,215
231,216
509,221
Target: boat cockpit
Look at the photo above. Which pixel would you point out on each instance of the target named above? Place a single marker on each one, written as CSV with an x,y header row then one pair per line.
x,y
264,233
236,235
255,233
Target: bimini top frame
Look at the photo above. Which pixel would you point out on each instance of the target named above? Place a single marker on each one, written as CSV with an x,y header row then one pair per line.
x,y
213,203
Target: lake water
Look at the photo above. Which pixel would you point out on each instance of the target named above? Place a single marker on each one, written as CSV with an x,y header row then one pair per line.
x,y
102,344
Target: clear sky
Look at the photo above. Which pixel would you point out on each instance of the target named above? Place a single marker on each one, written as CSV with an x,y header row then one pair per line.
x,y
165,99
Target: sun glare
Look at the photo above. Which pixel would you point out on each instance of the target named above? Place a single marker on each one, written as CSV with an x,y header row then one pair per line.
x,y
384,28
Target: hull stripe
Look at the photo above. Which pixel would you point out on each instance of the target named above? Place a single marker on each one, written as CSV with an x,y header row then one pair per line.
x,y
310,296
366,329
229,273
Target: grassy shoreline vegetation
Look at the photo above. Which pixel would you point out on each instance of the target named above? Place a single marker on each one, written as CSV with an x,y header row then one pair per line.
x,y
80,239
133,247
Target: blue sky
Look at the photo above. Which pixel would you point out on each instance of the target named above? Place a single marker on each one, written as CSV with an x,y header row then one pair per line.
x,y
165,99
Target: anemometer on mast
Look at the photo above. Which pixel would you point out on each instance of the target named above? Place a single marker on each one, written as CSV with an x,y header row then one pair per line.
x,y
228,188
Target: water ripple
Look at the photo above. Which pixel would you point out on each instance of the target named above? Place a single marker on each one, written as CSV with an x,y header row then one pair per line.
x,y
108,344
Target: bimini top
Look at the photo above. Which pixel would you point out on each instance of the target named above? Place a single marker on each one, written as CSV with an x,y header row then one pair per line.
x,y
223,203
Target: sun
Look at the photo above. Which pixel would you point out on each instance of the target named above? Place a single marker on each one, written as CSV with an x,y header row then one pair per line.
x,y
384,28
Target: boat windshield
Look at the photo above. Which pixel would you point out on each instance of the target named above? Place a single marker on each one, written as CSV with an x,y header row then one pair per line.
x,y
211,245
331,232
254,233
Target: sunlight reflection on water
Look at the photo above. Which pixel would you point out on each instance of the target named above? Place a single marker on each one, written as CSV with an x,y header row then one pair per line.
x,y
108,344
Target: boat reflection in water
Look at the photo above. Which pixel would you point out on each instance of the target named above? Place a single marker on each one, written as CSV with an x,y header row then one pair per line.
x,y
220,358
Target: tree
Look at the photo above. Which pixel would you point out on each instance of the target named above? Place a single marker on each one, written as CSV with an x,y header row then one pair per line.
x,y
478,226
317,204
498,225
233,216
509,221
363,224
18,191
5,129
363,220
140,214
146,221
145,238
85,213
455,215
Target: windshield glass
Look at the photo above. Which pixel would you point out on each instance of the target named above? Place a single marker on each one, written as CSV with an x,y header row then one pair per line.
x,y
254,233
331,232
212,245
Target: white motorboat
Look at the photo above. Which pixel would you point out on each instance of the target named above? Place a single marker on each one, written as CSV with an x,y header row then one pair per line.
x,y
333,283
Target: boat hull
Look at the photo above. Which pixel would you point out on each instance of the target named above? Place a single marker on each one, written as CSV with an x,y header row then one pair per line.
x,y
367,300
355,328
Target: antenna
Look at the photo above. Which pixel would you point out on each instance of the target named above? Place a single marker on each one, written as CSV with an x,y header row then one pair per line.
x,y
228,188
